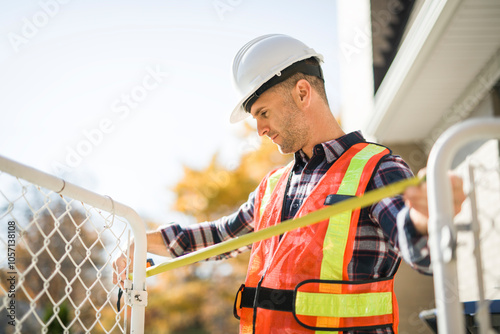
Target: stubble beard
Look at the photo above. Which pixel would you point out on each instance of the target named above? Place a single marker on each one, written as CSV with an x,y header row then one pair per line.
x,y
293,134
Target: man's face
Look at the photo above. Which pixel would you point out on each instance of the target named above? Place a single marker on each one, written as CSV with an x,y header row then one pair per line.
x,y
279,118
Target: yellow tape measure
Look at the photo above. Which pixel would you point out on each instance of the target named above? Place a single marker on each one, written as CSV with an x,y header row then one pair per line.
x,y
350,204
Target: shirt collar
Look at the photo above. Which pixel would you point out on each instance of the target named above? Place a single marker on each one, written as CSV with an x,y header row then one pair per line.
x,y
334,148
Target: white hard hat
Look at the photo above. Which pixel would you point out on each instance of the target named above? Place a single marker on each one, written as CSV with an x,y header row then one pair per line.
x,y
264,58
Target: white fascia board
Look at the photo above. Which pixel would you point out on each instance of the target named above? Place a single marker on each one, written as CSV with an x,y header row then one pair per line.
x,y
428,27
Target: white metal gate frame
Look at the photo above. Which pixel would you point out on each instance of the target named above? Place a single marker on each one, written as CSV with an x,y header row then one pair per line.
x,y
137,295
442,231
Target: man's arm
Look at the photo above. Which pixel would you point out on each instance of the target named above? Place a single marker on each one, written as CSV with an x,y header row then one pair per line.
x,y
173,240
393,217
404,219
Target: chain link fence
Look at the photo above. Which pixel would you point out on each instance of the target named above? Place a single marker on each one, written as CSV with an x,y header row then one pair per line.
x,y
56,257
479,239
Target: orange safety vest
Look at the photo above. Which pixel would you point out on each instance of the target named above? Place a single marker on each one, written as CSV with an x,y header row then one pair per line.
x,y
298,283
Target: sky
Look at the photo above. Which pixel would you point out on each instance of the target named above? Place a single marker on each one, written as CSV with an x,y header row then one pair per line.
x,y
118,96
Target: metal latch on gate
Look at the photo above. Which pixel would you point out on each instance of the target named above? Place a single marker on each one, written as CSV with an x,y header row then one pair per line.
x,y
136,297
133,297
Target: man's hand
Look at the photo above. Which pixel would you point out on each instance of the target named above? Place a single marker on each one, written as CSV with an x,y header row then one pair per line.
x,y
416,200
156,246
120,267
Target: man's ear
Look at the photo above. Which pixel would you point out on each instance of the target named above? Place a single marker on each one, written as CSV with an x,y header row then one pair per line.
x,y
302,93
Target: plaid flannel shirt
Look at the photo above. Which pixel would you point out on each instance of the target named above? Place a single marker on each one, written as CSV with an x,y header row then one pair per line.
x,y
384,234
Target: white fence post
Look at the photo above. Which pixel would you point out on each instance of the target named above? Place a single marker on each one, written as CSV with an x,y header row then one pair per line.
x,y
442,232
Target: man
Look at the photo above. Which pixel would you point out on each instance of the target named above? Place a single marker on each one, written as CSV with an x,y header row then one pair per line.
x,y
334,276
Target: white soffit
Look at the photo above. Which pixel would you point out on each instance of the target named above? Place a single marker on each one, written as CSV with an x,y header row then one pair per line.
x,y
446,48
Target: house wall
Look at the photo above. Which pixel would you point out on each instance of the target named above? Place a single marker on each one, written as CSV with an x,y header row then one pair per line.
x,y
416,292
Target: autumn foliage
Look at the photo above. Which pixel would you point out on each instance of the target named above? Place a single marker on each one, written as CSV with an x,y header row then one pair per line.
x,y
199,298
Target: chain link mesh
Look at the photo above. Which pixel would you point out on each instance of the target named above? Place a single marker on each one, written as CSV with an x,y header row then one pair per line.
x,y
58,276
481,174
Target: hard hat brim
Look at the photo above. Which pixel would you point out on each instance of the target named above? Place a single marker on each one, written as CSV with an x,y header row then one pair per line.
x,y
239,113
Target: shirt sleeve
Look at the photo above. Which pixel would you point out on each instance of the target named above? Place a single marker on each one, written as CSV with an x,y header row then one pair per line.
x,y
393,216
412,245
182,240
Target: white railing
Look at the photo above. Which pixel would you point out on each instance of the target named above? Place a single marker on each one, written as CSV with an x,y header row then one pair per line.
x,y
443,232
57,247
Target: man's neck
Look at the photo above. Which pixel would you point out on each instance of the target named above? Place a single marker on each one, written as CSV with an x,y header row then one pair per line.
x,y
323,136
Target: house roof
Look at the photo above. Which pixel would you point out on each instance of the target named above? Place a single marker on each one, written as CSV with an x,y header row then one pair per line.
x,y
388,20
451,50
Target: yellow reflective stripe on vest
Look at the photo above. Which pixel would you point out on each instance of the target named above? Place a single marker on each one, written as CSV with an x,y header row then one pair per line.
x,y
334,246
353,174
338,229
343,305
271,184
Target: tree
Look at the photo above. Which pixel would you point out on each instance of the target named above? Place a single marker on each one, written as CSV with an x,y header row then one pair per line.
x,y
215,190
199,299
